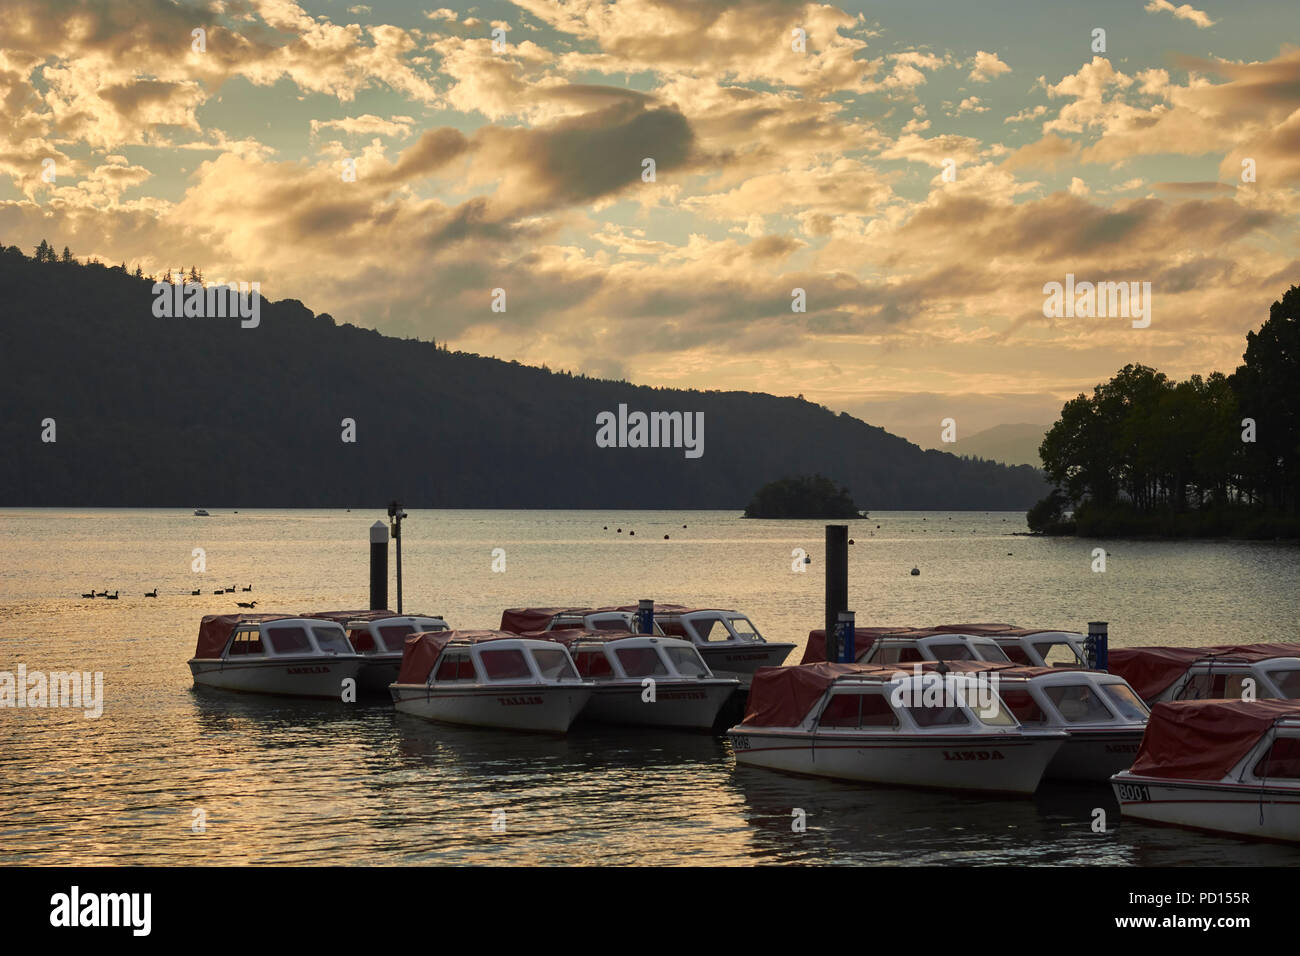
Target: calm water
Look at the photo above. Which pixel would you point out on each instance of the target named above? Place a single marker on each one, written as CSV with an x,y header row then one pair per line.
x,y
283,781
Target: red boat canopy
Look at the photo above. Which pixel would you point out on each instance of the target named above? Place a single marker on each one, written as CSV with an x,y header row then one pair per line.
x,y
1204,739
782,696
863,637
215,631
974,628
520,619
422,650
343,617
1152,670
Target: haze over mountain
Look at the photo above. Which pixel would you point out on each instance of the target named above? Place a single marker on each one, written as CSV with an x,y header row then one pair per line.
x,y
186,412
1010,444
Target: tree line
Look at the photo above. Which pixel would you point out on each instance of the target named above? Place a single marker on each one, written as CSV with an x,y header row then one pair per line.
x,y
1212,455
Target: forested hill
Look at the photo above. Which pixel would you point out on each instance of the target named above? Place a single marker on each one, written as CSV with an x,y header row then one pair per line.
x,y
199,412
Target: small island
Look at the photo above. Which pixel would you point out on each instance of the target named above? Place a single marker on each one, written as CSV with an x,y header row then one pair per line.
x,y
803,497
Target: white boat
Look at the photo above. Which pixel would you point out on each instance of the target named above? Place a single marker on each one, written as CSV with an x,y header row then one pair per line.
x,y
727,640
1033,647
200,513
274,654
932,644
874,724
1104,717
380,638
639,679
1235,671
1225,766
490,679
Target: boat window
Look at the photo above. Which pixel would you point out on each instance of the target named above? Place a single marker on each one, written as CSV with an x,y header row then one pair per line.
x,y
617,624
505,665
1022,704
1078,703
705,630
245,644
1017,654
992,653
1057,654
687,661
876,712
288,640
455,667
951,652
937,716
841,710
593,665
395,635
1127,702
1282,759
641,662
554,664
1205,686
363,642
331,640
744,630
995,714
1287,681
894,654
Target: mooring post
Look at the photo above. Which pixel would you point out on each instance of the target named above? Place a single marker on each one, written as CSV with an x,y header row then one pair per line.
x,y
645,616
397,514
1098,645
837,584
378,566
848,653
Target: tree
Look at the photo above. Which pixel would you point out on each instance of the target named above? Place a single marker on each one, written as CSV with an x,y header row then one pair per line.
x,y
194,276
67,255
44,252
1266,391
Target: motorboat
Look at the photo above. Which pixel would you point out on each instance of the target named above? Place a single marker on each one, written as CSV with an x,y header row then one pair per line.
x,y
533,620
200,513
1033,647
1036,647
727,640
1236,671
863,637
875,724
274,654
1225,766
490,679
641,679
380,638
1102,714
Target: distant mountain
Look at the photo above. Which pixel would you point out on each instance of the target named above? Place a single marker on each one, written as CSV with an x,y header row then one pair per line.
x,y
183,412
1009,444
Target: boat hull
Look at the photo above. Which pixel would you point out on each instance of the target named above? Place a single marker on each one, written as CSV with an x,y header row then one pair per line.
x,y
544,708
377,672
740,661
1095,755
287,677
997,763
687,704
1265,813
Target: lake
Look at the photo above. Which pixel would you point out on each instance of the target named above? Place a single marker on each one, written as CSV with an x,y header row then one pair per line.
x,y
278,781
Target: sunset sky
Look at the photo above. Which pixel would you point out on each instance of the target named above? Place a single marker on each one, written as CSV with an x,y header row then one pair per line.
x,y
521,169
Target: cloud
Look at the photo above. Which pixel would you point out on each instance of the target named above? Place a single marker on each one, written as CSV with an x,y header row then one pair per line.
x,y
1183,11
987,66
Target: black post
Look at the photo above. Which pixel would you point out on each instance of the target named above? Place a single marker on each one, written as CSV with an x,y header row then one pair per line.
x,y
397,514
378,566
837,583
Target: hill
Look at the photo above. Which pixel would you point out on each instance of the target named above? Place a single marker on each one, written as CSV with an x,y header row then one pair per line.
x,y
1009,444
185,412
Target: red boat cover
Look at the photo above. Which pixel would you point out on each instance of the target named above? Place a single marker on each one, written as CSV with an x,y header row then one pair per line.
x,y
422,650
863,637
342,617
974,628
782,696
1152,670
520,619
215,631
1204,739
567,635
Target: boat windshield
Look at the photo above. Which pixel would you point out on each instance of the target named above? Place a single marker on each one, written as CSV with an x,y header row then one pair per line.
x,y
505,664
1287,681
288,640
1079,703
554,664
1058,654
687,661
1023,705
952,652
331,639
927,716
992,653
1282,759
394,636
641,662
743,629
618,625
1128,703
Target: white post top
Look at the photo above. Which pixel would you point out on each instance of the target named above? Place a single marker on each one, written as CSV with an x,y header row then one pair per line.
x,y
379,533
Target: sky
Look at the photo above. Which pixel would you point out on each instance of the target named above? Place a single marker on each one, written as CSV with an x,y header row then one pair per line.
x,y
920,170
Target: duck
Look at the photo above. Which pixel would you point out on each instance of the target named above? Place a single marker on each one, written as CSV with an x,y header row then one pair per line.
x,y
222,591
102,594
248,604
197,591
90,595
153,593
249,588
112,597
230,590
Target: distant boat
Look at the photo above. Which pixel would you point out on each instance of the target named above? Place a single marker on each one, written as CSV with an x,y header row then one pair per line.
x,y
200,513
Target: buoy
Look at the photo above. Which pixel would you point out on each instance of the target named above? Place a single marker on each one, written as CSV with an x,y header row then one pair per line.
x,y
606,527
850,540
633,533
916,571
620,530
665,537
1004,519
877,526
